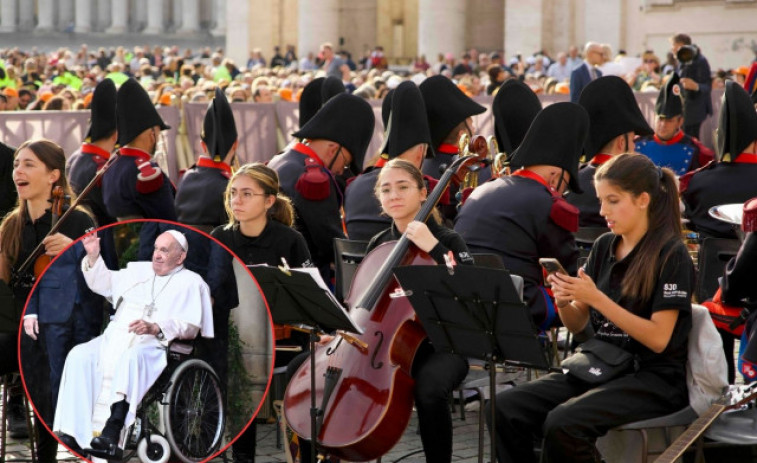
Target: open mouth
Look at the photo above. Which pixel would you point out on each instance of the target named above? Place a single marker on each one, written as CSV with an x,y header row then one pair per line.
x,y
20,183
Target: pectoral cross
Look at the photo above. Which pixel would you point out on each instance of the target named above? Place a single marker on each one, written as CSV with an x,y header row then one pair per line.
x,y
150,308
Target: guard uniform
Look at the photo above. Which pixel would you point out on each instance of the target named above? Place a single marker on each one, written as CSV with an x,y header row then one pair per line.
x,y
128,195
520,218
511,217
200,196
613,111
315,94
317,217
362,209
303,176
681,153
586,202
135,186
732,178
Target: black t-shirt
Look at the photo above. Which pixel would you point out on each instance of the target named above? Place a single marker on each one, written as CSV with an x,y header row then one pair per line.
x,y
673,290
276,241
448,241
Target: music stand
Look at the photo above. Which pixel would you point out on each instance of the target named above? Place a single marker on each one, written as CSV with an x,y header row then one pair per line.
x,y
475,312
297,296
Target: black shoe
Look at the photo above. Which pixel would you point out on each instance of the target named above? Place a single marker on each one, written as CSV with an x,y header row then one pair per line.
x,y
17,427
107,441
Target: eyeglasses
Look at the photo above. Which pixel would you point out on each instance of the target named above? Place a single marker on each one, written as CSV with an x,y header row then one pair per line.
x,y
650,61
245,195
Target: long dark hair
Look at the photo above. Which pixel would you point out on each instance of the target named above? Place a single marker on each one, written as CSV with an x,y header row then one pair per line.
x,y
636,174
53,157
267,178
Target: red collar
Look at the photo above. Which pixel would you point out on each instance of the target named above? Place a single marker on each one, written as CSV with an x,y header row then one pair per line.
x,y
447,148
207,162
532,175
746,158
600,159
675,139
135,153
89,148
380,163
308,151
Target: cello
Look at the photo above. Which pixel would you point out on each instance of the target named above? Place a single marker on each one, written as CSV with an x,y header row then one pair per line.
x,y
363,387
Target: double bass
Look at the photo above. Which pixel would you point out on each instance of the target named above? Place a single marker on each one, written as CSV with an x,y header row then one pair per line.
x,y
363,387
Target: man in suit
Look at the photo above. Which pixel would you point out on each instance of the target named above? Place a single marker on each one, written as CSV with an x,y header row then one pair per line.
x,y
587,71
695,80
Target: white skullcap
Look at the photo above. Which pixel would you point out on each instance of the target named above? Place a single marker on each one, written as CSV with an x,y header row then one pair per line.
x,y
393,82
180,238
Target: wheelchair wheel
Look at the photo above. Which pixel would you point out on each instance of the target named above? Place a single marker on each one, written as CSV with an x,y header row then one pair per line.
x,y
157,450
194,415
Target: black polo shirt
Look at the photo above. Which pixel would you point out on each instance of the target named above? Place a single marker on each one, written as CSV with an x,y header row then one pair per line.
x,y
448,241
672,290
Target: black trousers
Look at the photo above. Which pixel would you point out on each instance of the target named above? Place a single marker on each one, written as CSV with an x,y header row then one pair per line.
x,y
570,414
436,376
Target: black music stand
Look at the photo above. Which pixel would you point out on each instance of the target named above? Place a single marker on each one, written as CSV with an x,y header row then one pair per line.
x,y
295,296
475,312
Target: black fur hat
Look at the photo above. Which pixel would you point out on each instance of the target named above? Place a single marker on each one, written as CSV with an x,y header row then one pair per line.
x,y
345,119
446,107
102,120
613,111
135,113
669,101
556,138
738,122
219,132
407,125
515,106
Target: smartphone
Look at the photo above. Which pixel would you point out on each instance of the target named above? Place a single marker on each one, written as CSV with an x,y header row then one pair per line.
x,y
551,265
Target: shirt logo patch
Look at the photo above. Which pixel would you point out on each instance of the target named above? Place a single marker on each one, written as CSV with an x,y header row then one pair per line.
x,y
670,291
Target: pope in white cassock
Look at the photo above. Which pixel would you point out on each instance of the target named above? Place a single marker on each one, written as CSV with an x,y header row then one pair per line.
x,y
155,302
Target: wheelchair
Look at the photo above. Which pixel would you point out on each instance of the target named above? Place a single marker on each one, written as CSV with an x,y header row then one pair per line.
x,y
190,418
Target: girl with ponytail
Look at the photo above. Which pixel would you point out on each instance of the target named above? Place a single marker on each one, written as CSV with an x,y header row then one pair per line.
x,y
635,293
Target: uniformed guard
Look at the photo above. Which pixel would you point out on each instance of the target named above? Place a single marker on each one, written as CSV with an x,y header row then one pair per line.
x,y
408,138
316,94
449,113
199,196
615,118
333,141
523,217
670,146
135,186
732,178
84,163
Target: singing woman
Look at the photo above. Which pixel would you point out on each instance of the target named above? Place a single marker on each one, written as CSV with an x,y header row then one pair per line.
x,y
635,292
401,191
38,167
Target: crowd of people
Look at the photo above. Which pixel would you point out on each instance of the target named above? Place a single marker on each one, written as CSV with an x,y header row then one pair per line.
x,y
567,166
64,79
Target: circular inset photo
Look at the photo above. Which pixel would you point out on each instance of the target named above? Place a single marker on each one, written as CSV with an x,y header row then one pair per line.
x,y
148,340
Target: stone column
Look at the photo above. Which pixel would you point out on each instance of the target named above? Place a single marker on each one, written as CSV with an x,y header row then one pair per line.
x,y
219,6
190,17
65,15
603,23
44,15
103,15
441,28
8,16
239,29
25,16
83,16
155,22
119,13
523,27
318,22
